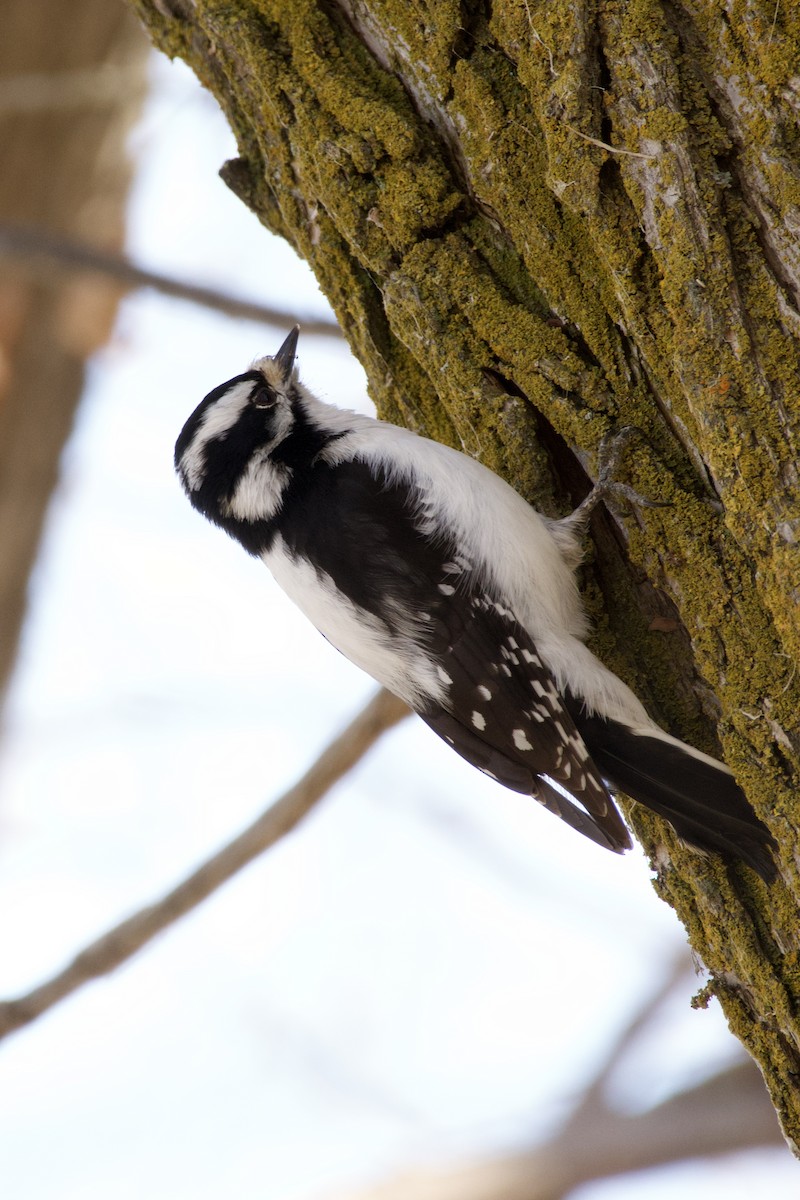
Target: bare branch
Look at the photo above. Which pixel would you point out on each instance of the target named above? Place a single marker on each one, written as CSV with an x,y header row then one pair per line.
x,y
728,1113
41,251
120,943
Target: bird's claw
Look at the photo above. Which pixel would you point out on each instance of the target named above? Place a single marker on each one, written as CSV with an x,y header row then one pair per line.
x,y
609,457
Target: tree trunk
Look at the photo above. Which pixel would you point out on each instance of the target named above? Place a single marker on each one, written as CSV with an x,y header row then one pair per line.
x,y
72,78
537,222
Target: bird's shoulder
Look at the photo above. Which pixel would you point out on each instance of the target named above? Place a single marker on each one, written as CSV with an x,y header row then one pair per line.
x,y
361,526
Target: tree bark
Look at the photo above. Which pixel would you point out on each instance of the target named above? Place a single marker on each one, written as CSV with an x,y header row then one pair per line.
x,y
537,222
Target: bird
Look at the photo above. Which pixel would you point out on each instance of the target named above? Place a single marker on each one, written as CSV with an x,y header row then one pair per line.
x,y
432,574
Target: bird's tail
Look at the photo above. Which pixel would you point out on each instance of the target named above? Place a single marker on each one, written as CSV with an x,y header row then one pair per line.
x,y
697,795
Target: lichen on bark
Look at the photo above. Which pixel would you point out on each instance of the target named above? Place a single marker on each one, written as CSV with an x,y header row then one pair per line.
x,y
539,221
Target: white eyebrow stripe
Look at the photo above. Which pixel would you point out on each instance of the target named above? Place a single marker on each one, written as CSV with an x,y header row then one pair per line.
x,y
215,424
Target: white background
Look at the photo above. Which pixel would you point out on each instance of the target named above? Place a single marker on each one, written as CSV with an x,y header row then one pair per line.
x,y
429,967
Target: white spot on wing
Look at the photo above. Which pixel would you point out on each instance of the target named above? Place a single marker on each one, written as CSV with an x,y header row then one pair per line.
x,y
478,720
520,740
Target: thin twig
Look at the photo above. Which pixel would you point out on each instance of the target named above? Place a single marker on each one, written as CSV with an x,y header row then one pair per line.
x,y
605,145
38,248
538,39
774,21
122,941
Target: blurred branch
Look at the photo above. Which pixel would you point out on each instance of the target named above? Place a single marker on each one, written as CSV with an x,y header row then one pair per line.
x,y
596,1090
61,161
723,1115
53,91
41,251
729,1112
120,943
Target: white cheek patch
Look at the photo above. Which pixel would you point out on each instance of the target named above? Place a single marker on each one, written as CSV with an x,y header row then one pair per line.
x,y
259,491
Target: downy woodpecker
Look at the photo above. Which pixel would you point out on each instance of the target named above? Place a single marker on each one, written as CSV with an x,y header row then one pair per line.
x,y
429,572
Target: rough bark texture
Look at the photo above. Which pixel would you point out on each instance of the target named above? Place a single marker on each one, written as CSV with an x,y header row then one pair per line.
x,y
540,221
71,82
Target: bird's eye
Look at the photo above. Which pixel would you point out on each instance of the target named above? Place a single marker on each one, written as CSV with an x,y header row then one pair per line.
x,y
263,396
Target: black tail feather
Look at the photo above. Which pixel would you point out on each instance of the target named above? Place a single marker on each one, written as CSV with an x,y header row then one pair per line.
x,y
702,802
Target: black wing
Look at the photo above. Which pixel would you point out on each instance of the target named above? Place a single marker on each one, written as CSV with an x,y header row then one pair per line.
x,y
503,714
359,528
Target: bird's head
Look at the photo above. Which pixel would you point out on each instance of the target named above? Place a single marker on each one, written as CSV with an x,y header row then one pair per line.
x,y
229,453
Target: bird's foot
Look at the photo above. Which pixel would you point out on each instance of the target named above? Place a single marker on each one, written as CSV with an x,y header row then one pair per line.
x,y
609,457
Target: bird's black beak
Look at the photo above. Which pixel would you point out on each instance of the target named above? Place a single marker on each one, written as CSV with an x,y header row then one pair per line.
x,y
285,356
